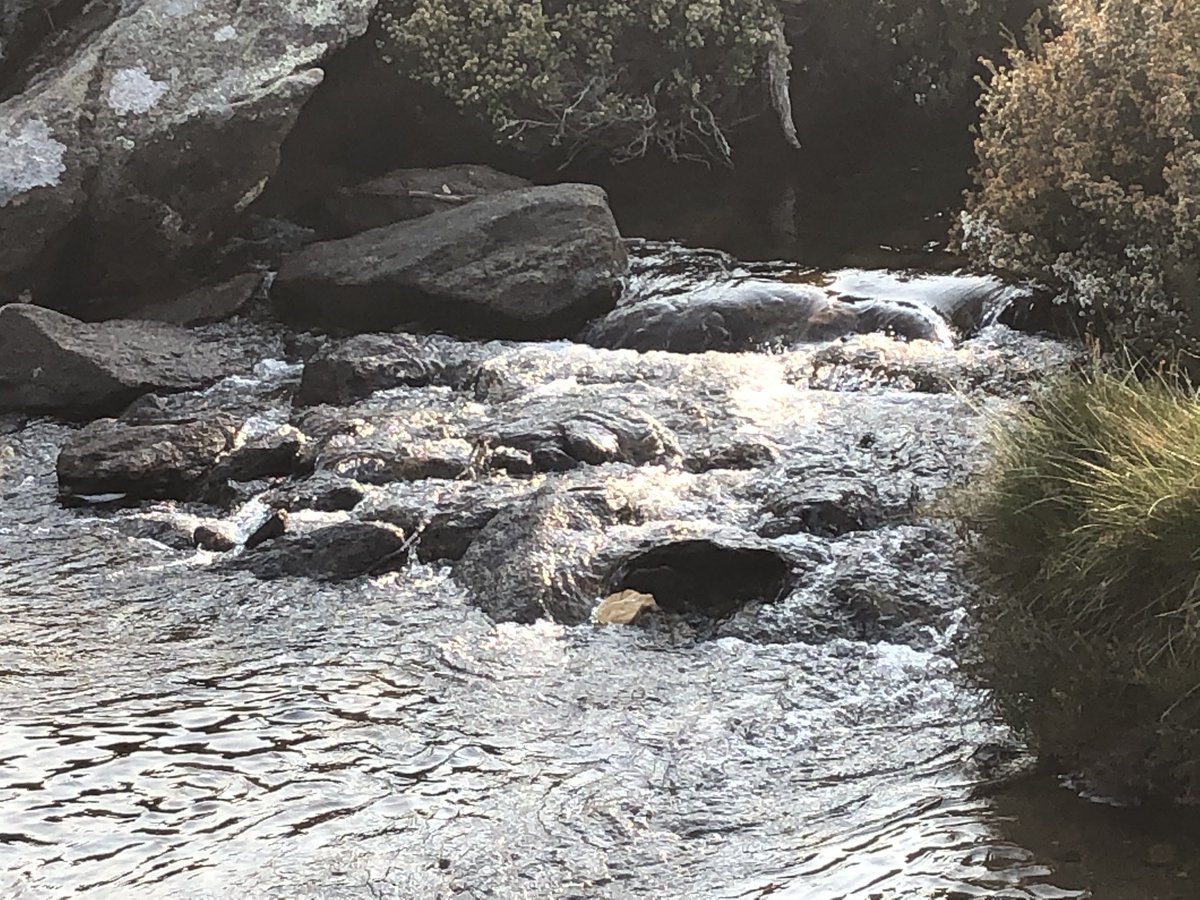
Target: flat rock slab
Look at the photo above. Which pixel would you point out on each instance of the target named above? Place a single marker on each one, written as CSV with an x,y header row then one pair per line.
x,y
531,263
51,363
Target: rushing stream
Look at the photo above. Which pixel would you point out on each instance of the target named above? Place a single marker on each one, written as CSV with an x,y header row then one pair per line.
x,y
175,726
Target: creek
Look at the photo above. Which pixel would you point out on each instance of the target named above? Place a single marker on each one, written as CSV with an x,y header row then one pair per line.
x,y
174,726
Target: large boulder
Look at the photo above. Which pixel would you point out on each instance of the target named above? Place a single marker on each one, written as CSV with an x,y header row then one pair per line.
x,y
411,193
147,143
51,363
530,263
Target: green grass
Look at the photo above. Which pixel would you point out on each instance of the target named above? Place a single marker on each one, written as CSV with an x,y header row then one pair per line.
x,y
1086,542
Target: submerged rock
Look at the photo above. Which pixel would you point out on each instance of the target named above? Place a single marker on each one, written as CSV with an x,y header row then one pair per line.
x,y
142,462
52,363
530,263
334,553
411,193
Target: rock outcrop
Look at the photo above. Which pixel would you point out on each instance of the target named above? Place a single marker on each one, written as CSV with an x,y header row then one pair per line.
x,y
145,144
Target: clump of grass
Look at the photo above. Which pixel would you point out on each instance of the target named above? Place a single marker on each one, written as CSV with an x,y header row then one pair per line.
x,y
1087,547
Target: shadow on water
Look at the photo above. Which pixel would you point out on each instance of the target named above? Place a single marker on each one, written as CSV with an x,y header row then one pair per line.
x,y
1117,853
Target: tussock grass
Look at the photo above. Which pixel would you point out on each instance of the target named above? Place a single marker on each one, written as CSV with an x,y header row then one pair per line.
x,y
1087,546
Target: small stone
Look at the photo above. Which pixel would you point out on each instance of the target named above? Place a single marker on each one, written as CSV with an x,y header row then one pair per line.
x,y
623,608
274,527
213,538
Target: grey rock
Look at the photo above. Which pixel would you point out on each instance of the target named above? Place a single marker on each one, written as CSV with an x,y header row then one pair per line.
x,y
52,363
274,526
210,303
825,506
214,538
335,552
537,559
321,493
270,454
166,461
146,144
415,460
528,263
756,313
559,436
355,368
411,193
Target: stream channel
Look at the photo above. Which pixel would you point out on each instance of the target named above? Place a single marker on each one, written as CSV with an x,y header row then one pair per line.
x,y
176,725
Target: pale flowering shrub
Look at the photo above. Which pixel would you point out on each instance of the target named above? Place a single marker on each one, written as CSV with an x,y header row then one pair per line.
x,y
1089,172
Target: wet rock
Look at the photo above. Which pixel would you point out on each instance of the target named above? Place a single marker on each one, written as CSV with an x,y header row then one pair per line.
x,y
321,493
413,461
753,313
146,144
141,461
558,436
745,454
264,452
445,525
531,263
274,526
210,303
52,363
214,538
828,506
537,559
353,369
335,552
704,578
411,193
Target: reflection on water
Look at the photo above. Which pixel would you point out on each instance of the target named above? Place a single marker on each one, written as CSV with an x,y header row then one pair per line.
x,y
172,731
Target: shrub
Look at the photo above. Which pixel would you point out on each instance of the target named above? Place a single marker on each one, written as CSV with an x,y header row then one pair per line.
x,y
1089,171
1088,624
623,76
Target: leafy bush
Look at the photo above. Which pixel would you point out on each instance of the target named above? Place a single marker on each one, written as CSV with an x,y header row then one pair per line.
x,y
1089,171
622,75
625,77
1086,546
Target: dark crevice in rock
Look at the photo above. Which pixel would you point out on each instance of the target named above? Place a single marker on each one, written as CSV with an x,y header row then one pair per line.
x,y
704,579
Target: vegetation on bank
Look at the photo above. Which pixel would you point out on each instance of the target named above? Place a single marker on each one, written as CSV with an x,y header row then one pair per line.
x,y
1089,171
626,78
1086,545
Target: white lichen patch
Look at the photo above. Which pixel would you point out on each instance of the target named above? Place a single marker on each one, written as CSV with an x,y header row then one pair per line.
x,y
224,33
134,91
29,158
178,8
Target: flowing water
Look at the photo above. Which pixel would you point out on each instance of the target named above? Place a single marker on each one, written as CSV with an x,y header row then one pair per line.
x,y
175,728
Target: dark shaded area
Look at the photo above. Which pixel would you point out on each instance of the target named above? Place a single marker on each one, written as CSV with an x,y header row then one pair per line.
x,y
703,578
